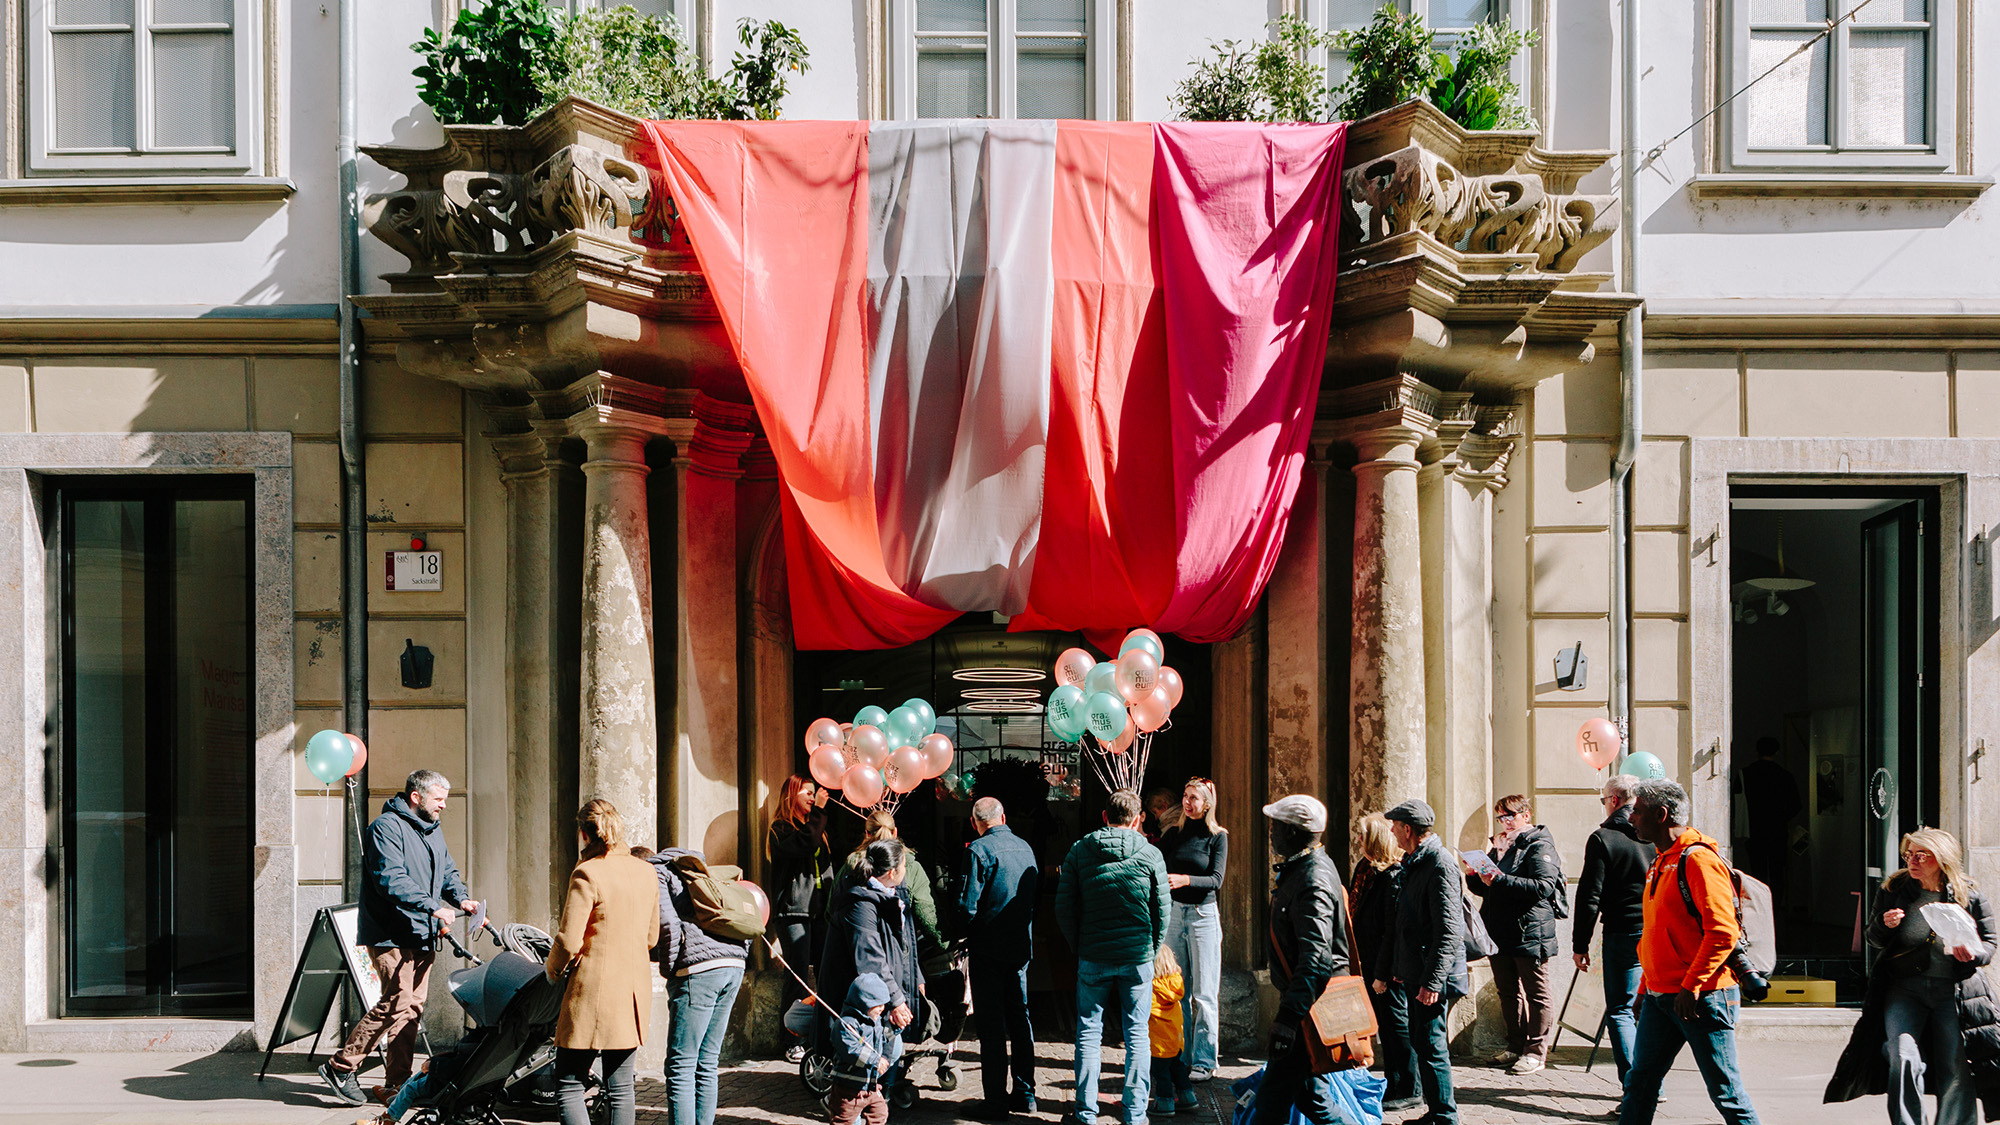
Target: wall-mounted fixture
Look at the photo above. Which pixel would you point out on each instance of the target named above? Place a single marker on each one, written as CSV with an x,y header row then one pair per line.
x,y
418,664
1572,668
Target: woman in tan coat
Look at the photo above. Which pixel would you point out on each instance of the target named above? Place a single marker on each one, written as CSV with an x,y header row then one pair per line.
x,y
609,924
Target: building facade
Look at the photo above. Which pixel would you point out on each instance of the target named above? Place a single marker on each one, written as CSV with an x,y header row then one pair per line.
x,y
1799,552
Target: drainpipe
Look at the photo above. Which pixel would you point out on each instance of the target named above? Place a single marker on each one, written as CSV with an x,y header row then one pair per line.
x,y
1631,342
354,525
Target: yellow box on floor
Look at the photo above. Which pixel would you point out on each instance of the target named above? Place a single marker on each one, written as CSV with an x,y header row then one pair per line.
x,y
1800,992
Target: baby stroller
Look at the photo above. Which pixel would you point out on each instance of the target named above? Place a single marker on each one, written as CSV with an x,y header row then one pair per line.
x,y
941,1016
507,1057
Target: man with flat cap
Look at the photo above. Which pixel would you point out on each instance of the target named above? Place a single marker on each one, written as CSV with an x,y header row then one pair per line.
x,y
1430,950
1308,938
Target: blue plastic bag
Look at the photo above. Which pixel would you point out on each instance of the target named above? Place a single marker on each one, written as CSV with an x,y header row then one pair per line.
x,y
1357,1097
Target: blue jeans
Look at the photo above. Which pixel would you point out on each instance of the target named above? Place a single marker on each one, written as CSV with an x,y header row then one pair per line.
x,y
1712,1036
1620,966
409,1092
1128,988
1920,1028
700,1004
573,1075
1399,1062
1000,1007
1195,934
1433,1055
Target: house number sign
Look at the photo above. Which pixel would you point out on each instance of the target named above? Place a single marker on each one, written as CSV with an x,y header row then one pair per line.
x,y
414,571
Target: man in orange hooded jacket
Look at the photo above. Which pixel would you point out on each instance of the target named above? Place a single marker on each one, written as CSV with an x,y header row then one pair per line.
x,y
1688,994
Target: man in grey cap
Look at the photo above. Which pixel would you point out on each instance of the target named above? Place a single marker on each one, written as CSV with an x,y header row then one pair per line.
x,y
1430,950
1308,939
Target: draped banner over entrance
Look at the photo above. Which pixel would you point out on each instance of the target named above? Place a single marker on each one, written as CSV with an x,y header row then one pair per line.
x,y
1060,371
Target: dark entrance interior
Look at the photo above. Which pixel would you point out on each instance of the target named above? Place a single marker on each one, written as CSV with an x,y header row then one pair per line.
x,y
988,686
1834,750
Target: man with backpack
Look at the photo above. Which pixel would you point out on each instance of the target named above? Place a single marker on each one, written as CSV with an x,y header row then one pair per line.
x,y
707,919
1690,994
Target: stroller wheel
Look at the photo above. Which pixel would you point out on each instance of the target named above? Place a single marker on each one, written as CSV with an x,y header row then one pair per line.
x,y
903,1095
947,1077
816,1072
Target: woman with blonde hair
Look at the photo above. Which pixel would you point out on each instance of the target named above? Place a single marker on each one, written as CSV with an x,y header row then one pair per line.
x,y
1929,1021
1197,855
1378,883
604,942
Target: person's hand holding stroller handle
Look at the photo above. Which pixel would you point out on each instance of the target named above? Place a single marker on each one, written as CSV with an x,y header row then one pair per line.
x,y
444,915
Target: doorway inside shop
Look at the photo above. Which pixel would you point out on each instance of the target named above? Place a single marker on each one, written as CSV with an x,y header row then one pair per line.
x,y
1834,740
988,686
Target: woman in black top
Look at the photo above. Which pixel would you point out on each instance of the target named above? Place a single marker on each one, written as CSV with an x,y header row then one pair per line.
x,y
800,871
1197,852
1378,884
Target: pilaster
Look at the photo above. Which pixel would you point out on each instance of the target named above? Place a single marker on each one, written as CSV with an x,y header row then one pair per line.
x,y
1298,702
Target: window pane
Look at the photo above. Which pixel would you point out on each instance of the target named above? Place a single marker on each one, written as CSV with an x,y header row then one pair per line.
x,y
1051,85
1350,13
194,90
93,90
1460,13
1886,87
1045,16
108,933
91,11
1890,11
193,11
1792,11
951,15
951,84
211,878
1789,107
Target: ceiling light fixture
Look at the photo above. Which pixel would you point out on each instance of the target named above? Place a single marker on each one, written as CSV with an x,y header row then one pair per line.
x,y
1000,693
1783,581
993,675
1001,707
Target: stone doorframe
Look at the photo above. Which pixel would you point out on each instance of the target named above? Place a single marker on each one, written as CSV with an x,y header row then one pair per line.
x,y
1966,473
28,907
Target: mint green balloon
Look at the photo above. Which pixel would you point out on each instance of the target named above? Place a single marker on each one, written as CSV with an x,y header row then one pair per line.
x,y
1141,640
1642,765
905,727
871,716
328,754
1068,712
1103,677
925,712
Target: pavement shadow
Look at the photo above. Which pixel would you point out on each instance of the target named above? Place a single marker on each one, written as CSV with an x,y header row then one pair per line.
x,y
230,1075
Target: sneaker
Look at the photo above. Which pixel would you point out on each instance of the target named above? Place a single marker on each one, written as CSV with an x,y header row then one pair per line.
x,y
1074,1118
795,1053
1526,1064
1397,1105
1023,1101
1186,1101
1504,1058
343,1084
384,1093
1163,1107
1200,1075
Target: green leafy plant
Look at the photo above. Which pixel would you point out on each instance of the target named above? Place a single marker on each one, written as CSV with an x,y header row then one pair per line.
x,y
1270,81
1394,59
511,59
483,71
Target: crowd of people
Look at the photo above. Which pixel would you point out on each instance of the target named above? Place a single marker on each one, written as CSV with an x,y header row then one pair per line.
x,y
1139,910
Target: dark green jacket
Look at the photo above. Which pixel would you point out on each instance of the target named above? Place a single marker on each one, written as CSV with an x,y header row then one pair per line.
x,y
1111,901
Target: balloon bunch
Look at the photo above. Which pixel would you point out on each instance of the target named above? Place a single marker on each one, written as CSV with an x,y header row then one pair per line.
x,y
331,755
1598,743
1111,706
879,757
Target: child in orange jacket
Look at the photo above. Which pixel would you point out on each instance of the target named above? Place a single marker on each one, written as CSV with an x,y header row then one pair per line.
x,y
1173,1090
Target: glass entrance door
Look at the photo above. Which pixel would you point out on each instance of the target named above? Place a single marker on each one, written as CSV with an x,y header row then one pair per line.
x,y
156,746
1898,702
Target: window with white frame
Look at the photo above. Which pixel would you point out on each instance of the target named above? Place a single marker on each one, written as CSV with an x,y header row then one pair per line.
x,y
1833,84
1446,18
1002,58
131,85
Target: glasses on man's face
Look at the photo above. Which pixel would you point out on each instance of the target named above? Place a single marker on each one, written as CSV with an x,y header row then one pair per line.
x,y
1607,800
1501,818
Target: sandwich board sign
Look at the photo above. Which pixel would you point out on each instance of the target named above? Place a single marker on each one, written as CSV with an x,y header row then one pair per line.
x,y
330,960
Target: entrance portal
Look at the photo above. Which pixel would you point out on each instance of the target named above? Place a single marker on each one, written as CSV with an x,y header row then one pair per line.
x,y
1834,749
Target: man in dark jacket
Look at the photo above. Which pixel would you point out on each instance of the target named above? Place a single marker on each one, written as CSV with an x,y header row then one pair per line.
x,y
1308,942
1613,888
1111,904
1430,950
1525,894
997,903
410,893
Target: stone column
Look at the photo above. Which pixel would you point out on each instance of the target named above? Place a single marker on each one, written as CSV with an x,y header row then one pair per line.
x,y
619,754
703,776
541,702
1386,715
1297,699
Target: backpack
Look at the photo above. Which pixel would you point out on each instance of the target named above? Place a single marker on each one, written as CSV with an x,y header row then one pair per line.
x,y
723,906
1756,952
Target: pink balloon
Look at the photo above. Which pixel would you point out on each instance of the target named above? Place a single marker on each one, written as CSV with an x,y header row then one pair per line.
x,y
867,746
763,900
862,786
936,750
360,756
1072,666
821,732
1142,631
1171,681
828,764
1597,743
1138,674
905,770
1150,713
1125,737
